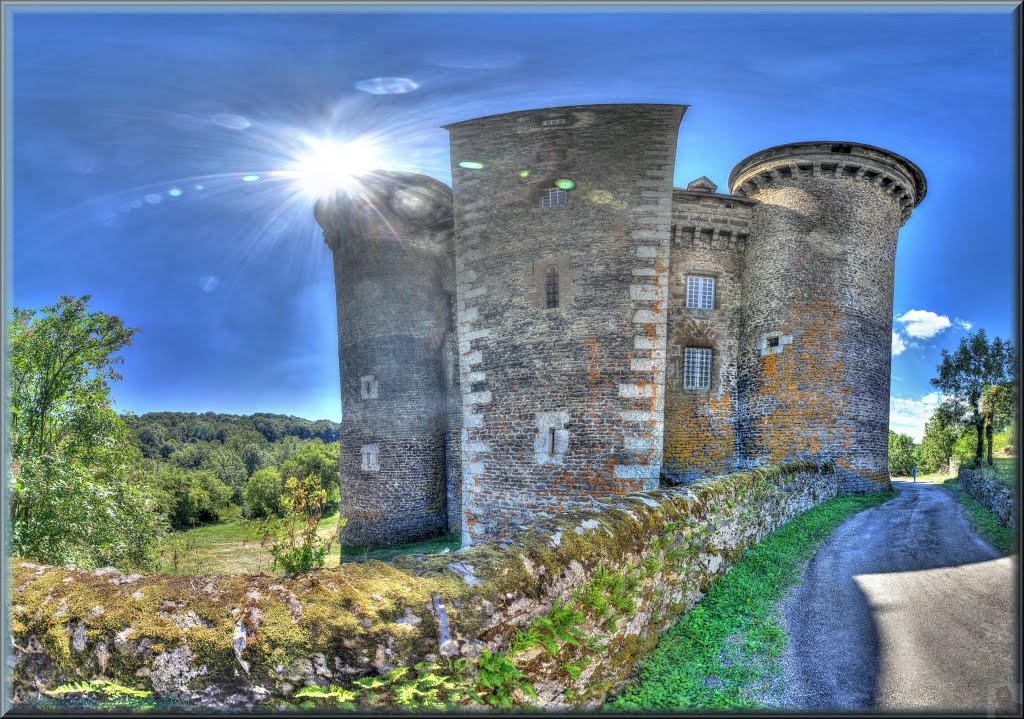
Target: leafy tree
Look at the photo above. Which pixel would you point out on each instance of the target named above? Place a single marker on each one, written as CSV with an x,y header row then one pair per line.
x,y
964,375
190,497
263,493
901,454
61,359
998,407
75,495
315,458
937,444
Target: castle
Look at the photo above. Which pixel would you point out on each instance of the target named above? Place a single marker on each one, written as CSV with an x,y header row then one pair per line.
x,y
563,324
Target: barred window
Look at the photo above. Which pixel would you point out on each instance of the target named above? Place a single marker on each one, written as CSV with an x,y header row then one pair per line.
x,y
551,288
697,368
556,121
553,197
700,292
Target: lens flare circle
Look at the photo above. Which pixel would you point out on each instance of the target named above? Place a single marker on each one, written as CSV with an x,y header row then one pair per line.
x,y
387,85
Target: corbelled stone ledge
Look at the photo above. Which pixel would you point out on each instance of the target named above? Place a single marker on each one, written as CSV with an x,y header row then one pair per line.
x,y
630,569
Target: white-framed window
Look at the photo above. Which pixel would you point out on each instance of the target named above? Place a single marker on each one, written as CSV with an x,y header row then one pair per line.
x,y
697,368
553,197
553,121
370,454
700,292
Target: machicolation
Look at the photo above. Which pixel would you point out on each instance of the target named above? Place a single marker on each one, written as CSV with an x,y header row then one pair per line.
x,y
564,325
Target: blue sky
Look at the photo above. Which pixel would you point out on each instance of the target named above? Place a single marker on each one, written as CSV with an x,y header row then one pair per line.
x,y
145,150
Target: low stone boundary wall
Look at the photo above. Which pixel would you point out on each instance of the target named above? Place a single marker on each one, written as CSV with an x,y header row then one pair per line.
x,y
990,494
572,604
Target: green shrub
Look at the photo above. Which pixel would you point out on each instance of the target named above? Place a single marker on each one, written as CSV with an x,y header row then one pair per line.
x,y
293,541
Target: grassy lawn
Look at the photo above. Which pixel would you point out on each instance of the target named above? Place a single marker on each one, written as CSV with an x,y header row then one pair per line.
x,y
234,548
984,522
725,650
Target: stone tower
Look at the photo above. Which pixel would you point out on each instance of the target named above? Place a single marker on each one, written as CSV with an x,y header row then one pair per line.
x,y
390,234
562,223
817,297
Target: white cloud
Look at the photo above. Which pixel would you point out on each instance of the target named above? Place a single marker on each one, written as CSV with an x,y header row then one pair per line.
x,y
963,324
922,323
898,345
208,283
908,415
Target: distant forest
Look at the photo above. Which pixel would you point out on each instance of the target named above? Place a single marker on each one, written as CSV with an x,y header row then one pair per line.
x,y
159,434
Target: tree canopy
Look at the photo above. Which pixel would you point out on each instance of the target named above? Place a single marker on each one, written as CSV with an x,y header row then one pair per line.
x,y
966,376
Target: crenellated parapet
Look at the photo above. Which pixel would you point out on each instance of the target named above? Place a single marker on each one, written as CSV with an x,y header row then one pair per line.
x,y
892,173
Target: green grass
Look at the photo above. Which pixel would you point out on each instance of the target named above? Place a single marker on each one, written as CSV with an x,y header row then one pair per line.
x,y
984,522
234,548
725,650
1004,471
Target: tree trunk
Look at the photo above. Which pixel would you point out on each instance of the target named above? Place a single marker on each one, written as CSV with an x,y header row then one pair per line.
x,y
980,449
988,437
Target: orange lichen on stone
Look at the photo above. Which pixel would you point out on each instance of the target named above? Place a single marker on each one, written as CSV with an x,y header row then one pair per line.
x,y
800,418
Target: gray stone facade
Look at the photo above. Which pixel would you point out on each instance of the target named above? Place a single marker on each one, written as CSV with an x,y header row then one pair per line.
x,y
539,336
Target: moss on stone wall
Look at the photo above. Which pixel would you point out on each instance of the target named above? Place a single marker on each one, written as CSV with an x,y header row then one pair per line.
x,y
572,603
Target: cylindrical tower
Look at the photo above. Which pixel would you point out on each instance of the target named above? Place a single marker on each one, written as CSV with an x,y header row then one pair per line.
x,y
390,233
562,238
817,303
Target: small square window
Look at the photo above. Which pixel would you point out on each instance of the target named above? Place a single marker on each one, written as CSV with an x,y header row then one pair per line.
x,y
700,292
554,197
697,368
370,455
773,341
368,387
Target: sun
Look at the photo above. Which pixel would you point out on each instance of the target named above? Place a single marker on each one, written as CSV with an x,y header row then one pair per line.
x,y
324,166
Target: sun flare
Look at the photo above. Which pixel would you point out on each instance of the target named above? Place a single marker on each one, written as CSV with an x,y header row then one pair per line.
x,y
324,166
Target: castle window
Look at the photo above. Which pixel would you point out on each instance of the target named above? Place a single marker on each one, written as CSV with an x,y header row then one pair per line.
x,y
554,197
697,368
368,387
370,454
551,288
773,341
700,292
554,121
728,205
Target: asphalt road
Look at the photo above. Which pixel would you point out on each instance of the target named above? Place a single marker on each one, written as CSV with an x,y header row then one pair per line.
x,y
903,607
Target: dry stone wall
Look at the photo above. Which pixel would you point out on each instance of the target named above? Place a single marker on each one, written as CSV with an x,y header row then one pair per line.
x,y
990,494
624,572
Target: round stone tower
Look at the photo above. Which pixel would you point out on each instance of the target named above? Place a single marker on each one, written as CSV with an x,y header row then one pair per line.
x,y
817,296
562,226
390,233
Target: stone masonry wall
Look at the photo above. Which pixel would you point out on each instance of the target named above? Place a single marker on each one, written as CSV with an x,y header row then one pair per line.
x,y
563,404
709,234
814,349
990,494
627,569
391,241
